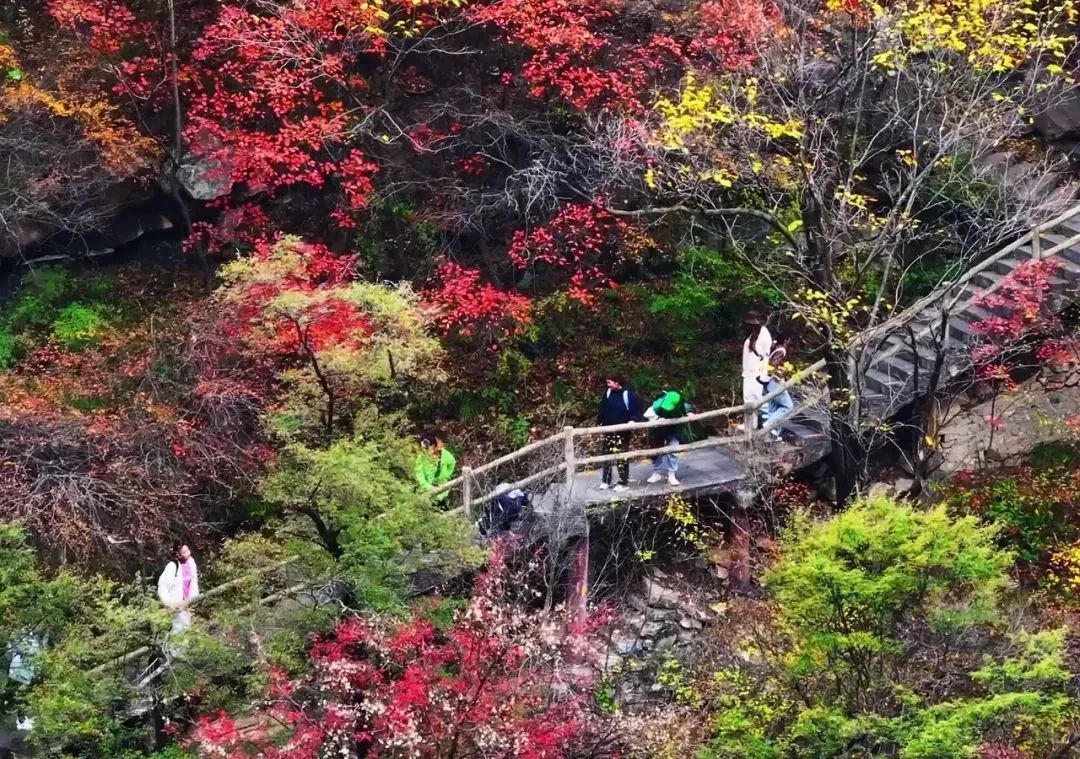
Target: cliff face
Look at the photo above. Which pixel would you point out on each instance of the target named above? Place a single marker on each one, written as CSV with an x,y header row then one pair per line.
x,y
117,214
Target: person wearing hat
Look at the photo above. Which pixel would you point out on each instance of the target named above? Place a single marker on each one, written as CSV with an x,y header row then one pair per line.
x,y
670,405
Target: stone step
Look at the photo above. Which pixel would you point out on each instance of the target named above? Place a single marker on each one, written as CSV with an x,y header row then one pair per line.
x,y
961,330
977,313
813,418
889,385
1070,268
1007,265
896,366
1071,253
988,278
1072,224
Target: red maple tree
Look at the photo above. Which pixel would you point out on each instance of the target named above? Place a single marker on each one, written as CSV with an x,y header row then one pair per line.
x,y
1021,321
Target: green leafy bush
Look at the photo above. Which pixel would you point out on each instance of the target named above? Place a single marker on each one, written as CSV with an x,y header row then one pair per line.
x,y
42,292
8,348
1035,509
78,326
356,500
848,587
706,284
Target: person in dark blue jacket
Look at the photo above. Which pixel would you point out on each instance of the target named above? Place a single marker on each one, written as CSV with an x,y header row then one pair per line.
x,y
618,405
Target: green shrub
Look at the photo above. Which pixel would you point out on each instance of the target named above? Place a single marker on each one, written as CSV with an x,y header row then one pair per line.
x,y
31,312
707,284
1035,509
848,586
8,348
1054,456
50,283
42,292
78,326
94,288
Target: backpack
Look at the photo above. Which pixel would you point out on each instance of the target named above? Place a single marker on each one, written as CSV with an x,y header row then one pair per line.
x,y
502,511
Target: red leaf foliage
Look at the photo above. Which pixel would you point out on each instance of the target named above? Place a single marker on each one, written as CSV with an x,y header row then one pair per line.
x,y
272,87
322,323
581,247
1022,319
463,305
589,54
498,683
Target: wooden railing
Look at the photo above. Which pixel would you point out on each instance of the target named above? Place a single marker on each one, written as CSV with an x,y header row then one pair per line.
x,y
571,463
568,467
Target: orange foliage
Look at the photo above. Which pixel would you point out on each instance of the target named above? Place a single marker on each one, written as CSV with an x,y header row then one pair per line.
x,y
123,149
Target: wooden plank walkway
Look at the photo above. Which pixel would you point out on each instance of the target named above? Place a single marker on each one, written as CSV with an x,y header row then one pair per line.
x,y
701,472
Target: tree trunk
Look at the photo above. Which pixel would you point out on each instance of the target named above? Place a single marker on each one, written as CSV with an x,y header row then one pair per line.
x,y
739,575
847,457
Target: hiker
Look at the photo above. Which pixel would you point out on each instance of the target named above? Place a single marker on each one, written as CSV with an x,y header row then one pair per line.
x,y
178,586
755,364
781,405
504,509
434,465
618,405
670,405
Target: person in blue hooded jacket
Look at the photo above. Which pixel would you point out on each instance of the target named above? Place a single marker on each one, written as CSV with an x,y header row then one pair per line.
x,y
618,405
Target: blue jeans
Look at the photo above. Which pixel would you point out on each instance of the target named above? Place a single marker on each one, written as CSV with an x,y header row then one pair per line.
x,y
778,407
667,462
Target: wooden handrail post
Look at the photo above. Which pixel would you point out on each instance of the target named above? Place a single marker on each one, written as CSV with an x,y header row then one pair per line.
x,y
570,459
466,491
1036,243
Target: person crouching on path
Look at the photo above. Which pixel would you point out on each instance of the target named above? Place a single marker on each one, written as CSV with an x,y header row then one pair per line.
x,y
178,586
670,405
435,464
781,405
618,405
755,364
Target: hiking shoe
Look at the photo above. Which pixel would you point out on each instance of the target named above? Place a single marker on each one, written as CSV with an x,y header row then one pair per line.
x,y
620,488
605,485
654,477
671,479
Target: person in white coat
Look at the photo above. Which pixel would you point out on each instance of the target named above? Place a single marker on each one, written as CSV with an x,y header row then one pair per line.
x,y
178,586
755,363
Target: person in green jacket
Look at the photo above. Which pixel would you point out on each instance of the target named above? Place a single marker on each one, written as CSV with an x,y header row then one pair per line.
x,y
435,465
670,405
